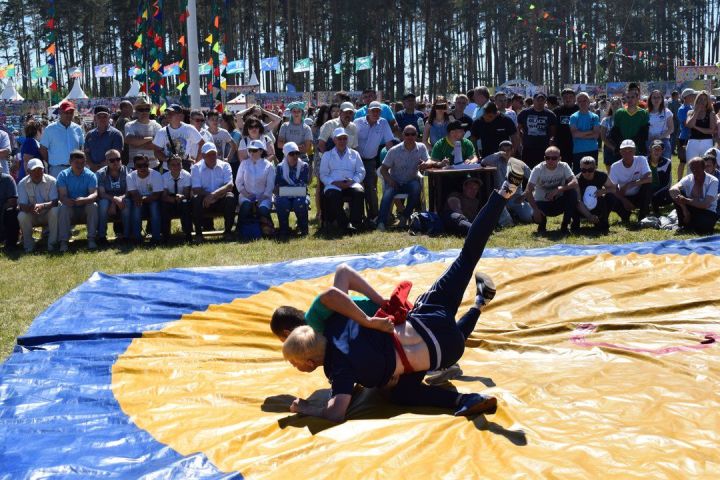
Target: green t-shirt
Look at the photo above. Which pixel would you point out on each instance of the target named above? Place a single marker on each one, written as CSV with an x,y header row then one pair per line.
x,y
444,149
629,125
318,313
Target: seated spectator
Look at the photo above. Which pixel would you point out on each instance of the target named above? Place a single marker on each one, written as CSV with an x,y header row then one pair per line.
x,y
453,148
633,179
551,191
176,200
112,188
695,197
399,170
462,207
9,226
38,203
711,168
505,163
77,191
292,172
144,188
660,168
212,185
342,173
593,202
255,183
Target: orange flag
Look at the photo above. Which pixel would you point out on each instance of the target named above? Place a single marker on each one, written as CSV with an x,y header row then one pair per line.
x,y
51,49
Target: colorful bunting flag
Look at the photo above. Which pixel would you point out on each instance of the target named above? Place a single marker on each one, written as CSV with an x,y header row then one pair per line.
x,y
171,70
40,72
204,69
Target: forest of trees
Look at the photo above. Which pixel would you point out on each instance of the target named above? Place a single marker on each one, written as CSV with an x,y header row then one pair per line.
x,y
428,46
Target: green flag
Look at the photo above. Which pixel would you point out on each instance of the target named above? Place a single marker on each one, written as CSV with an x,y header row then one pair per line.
x,y
363,63
338,67
39,72
302,65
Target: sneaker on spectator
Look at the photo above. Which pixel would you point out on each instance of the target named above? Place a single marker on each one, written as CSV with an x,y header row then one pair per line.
x,y
63,247
439,377
91,244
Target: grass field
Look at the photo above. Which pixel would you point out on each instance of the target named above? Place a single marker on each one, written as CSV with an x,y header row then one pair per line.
x,y
30,283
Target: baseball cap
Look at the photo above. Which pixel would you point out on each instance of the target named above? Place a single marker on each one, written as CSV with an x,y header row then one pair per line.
x,y
289,148
375,105
101,109
345,106
175,108
687,92
258,145
657,143
339,132
540,94
35,163
209,147
627,143
66,106
455,125
505,143
567,90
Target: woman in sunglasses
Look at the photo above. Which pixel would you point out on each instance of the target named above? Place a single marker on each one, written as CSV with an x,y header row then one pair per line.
x,y
255,183
253,130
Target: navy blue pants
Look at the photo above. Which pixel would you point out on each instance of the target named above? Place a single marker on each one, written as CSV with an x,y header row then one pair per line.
x,y
433,315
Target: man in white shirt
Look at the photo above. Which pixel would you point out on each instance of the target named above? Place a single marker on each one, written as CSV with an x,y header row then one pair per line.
x,y
345,120
212,184
38,203
695,197
551,191
140,133
176,200
342,173
633,179
60,138
144,188
178,138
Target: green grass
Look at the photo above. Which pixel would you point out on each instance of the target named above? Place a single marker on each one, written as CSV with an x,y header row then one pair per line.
x,y
30,283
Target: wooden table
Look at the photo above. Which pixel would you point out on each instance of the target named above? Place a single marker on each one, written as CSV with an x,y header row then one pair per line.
x,y
442,182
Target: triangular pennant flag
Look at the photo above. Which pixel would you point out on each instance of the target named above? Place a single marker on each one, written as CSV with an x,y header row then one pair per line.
x,y
217,22
216,47
50,23
181,86
182,77
223,84
50,50
220,107
163,108
53,87
181,40
156,65
145,14
209,39
182,63
138,42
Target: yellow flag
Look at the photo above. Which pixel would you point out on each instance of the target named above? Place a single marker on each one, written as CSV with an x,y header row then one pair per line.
x,y
145,15
163,108
156,65
181,86
209,39
223,84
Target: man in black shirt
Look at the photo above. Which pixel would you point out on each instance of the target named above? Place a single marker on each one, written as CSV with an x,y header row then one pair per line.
x,y
492,128
563,136
536,125
593,204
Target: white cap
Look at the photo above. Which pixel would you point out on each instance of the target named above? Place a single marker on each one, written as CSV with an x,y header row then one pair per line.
x,y
35,163
687,92
627,143
290,147
374,105
339,132
257,144
209,147
345,106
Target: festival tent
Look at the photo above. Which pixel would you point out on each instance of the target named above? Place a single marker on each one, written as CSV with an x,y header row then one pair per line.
x,y
237,104
76,93
134,90
10,93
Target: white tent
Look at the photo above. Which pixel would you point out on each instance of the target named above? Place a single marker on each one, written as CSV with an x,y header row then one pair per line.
x,y
134,89
77,92
237,104
240,99
253,80
10,93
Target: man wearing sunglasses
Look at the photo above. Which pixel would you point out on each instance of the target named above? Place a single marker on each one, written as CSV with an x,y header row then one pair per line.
x,y
593,203
551,191
112,188
144,186
178,138
139,134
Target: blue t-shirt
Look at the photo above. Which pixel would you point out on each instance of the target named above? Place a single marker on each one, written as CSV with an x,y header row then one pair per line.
x,y
385,112
404,119
356,354
584,122
29,147
77,185
682,118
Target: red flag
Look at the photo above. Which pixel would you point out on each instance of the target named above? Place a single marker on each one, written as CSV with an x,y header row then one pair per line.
x,y
50,23
217,22
220,107
181,40
182,77
184,16
217,71
142,87
53,87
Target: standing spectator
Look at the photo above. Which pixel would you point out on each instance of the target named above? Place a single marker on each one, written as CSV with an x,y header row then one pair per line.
x,y
77,191
292,172
342,171
295,130
178,138
5,152
112,189
488,131
370,96
144,188
471,106
31,146
253,130
702,123
373,133
551,191
60,138
101,139
537,126
505,165
212,184
458,113
661,170
674,105
516,104
409,115
399,171
632,177
255,183
453,149
695,197
38,204
482,98
140,133
661,124
124,116
563,135
437,123
176,200
585,130
227,148
606,125
593,202
631,122
502,105
197,121
9,227
688,98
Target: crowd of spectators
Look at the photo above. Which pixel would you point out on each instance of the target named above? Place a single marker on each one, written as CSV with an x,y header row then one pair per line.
x,y
138,168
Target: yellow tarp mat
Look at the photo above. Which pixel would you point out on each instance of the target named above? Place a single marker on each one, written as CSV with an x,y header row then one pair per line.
x,y
604,366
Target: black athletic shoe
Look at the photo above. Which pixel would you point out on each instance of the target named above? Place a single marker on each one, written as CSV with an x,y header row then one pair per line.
x,y
485,288
474,403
